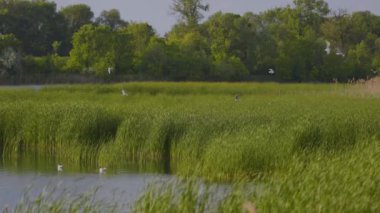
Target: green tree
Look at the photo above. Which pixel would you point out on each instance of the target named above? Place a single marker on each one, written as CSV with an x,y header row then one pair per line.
x,y
376,57
229,69
334,66
10,57
174,61
97,48
360,60
186,64
190,52
152,65
189,11
223,34
364,23
76,16
232,41
141,34
300,59
35,23
345,31
337,31
262,50
310,14
112,19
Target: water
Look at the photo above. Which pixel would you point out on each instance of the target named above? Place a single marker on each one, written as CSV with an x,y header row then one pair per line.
x,y
32,86
121,186
30,175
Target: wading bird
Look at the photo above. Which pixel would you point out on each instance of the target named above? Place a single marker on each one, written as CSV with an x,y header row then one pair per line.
x,y
328,48
59,168
340,52
124,92
271,71
102,170
109,70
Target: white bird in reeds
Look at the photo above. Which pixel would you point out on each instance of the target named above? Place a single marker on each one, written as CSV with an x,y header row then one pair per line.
x,y
271,71
102,170
339,52
328,48
59,167
124,92
109,70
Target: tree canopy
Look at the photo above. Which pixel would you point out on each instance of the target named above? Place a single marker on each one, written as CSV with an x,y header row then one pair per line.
x,y
111,18
302,42
189,11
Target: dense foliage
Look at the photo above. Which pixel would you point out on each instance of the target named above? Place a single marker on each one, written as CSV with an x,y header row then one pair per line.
x,y
302,42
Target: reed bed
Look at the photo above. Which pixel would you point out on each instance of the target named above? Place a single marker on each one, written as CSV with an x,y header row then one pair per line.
x,y
192,128
317,182
313,146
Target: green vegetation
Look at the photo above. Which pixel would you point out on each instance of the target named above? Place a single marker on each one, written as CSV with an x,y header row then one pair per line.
x,y
307,147
310,182
302,42
197,128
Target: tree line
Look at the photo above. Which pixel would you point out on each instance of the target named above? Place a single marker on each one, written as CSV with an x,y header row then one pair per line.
x,y
302,42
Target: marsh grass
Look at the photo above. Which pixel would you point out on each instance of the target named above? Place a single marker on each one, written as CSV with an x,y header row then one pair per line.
x,y
188,128
310,182
176,196
348,182
74,132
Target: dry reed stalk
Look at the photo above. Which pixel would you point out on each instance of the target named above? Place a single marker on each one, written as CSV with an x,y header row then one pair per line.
x,y
249,207
371,86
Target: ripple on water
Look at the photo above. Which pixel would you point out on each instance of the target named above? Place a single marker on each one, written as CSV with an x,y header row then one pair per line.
x,y
14,185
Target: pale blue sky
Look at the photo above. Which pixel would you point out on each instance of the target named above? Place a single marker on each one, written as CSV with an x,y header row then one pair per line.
x,y
157,12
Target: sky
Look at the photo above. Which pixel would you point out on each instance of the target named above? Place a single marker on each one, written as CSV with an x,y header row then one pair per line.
x,y
157,12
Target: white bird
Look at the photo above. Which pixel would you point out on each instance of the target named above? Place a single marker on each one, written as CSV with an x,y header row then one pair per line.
x,y
102,170
339,52
328,48
124,92
59,168
109,70
271,71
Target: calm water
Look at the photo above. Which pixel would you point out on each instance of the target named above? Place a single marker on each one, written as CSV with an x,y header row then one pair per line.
x,y
122,186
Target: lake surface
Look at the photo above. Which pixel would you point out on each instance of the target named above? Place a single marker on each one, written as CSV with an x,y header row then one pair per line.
x,y
123,186
29,177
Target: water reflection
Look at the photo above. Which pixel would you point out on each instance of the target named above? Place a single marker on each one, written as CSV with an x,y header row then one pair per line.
x,y
32,176
48,165
121,185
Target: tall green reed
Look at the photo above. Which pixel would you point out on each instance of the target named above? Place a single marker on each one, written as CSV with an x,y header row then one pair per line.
x,y
188,128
